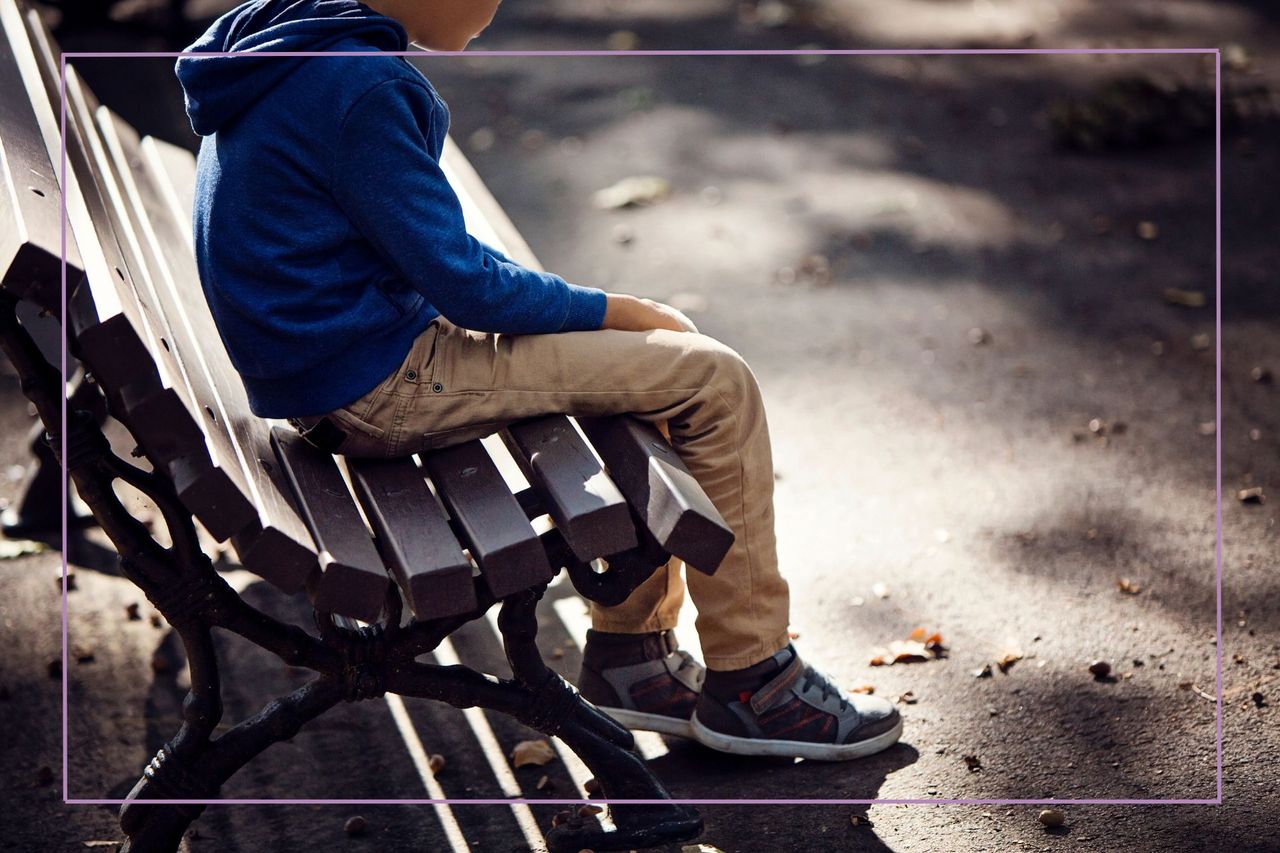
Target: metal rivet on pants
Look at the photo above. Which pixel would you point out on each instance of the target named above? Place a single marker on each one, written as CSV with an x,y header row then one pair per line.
x,y
411,375
437,387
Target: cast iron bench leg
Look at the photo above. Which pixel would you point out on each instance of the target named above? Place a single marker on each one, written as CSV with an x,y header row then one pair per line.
x,y
353,663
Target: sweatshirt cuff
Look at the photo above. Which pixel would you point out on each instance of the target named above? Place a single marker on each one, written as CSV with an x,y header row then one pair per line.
x,y
586,309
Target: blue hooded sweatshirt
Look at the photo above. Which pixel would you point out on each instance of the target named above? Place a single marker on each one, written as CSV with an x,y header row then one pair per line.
x,y
326,234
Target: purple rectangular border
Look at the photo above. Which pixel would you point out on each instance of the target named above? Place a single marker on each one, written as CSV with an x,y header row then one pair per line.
x,y
1217,55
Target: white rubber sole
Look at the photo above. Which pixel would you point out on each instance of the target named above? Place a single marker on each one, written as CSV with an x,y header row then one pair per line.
x,y
649,722
794,748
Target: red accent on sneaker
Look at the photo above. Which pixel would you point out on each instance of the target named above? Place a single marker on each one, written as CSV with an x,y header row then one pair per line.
x,y
744,697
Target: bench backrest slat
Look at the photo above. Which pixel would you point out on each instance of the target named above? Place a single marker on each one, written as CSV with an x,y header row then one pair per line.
x,y
166,421
413,537
583,502
352,580
237,439
30,198
489,518
661,490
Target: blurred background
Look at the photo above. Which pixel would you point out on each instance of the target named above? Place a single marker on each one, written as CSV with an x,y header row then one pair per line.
x,y
978,293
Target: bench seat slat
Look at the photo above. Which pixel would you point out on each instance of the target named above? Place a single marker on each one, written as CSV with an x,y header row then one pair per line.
x,y
661,490
489,518
413,537
580,498
352,580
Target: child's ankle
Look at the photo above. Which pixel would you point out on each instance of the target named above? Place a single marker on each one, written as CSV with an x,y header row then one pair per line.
x,y
606,649
729,685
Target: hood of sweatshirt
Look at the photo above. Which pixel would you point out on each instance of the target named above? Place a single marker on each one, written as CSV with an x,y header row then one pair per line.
x,y
218,88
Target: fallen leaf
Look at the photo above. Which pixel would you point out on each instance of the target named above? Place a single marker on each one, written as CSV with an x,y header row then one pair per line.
x,y
908,698
435,763
973,763
592,787
131,612
638,191
860,820
1008,658
588,811
1252,495
917,648
864,689
11,549
1052,817
1184,298
1100,669
535,752
1128,587
984,672
355,826
1206,696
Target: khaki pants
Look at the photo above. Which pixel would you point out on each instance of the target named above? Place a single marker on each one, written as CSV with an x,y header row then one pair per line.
x,y
456,385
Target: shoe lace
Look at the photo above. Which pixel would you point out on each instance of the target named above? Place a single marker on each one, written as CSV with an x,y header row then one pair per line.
x,y
813,678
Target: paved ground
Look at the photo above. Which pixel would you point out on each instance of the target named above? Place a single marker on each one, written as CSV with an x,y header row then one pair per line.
x,y
964,477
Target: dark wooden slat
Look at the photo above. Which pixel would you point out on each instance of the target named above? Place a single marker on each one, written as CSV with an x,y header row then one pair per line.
x,y
579,496
237,439
352,580
413,537
661,490
183,452
489,518
30,199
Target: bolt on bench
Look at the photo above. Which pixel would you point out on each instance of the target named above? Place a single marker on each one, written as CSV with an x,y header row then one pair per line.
x,y
394,555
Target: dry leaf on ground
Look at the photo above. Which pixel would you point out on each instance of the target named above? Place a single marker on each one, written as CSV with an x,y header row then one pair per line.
x,y
1052,817
636,191
532,752
920,646
1008,658
1128,586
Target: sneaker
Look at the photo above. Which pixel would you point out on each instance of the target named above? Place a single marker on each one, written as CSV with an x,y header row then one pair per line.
x,y
796,713
644,681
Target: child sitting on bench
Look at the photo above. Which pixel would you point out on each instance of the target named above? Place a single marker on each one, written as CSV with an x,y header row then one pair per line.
x,y
353,302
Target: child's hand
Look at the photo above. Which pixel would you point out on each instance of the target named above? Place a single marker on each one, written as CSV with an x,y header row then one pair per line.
x,y
629,314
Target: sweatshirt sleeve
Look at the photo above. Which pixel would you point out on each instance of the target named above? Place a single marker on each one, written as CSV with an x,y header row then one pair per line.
x,y
397,196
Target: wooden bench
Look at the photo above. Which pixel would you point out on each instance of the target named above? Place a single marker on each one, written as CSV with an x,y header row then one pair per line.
x,y
413,548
